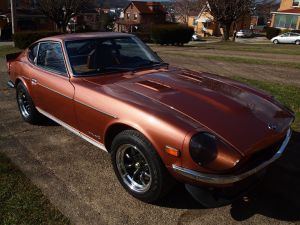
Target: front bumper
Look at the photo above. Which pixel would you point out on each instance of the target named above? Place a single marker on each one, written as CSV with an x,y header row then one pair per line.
x,y
229,179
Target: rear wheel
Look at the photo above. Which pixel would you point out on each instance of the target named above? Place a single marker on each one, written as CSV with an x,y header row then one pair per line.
x,y
276,42
139,168
298,42
26,106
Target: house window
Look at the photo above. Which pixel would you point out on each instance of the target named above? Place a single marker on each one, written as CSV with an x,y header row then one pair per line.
x,y
128,15
286,21
296,3
135,16
195,22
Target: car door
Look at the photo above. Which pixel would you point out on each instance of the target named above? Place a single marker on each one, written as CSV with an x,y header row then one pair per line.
x,y
284,38
53,91
294,37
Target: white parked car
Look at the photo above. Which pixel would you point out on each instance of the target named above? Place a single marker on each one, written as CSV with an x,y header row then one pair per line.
x,y
196,37
245,33
287,38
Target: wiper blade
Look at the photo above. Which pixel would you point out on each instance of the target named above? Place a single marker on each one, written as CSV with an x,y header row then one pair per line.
x,y
151,64
116,69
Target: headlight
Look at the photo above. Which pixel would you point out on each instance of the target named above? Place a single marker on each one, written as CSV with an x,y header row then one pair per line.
x,y
203,148
210,152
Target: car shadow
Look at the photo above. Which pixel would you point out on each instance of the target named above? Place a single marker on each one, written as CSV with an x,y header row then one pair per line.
x,y
277,196
45,122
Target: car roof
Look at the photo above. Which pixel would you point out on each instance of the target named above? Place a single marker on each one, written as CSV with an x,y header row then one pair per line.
x,y
80,36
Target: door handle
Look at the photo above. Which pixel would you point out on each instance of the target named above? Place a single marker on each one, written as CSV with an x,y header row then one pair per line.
x,y
34,81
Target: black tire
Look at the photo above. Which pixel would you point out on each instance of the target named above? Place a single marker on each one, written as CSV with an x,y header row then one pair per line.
x,y
131,151
26,105
297,42
276,42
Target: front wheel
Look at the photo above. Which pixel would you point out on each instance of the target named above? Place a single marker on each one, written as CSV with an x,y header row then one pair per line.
x,y
298,42
139,168
276,42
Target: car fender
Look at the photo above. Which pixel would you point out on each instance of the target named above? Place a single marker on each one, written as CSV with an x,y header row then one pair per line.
x,y
158,145
26,81
133,126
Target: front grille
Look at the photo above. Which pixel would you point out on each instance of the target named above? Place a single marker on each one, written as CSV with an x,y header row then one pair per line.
x,y
259,157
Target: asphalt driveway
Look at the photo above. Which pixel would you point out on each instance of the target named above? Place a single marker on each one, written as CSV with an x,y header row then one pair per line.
x,y
79,180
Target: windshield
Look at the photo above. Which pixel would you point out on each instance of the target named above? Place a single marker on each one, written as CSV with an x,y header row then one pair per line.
x,y
94,56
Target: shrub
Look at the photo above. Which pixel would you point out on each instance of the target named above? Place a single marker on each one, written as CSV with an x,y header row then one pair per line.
x,y
144,36
24,39
272,32
285,31
296,31
173,34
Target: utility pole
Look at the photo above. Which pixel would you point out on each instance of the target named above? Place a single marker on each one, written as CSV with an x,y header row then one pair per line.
x,y
13,15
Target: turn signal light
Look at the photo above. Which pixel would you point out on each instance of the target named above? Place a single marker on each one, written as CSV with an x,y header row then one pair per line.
x,y
172,151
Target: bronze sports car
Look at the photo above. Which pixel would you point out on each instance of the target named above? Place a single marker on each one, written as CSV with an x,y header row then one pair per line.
x,y
159,123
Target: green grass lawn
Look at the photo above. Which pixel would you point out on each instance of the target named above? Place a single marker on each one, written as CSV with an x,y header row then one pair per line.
x,y
234,59
286,94
261,48
21,202
4,50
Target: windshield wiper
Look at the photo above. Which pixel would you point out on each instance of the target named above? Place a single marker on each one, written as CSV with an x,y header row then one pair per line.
x,y
112,68
151,64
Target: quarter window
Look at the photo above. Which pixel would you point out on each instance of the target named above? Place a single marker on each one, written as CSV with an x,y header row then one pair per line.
x,y
32,53
51,57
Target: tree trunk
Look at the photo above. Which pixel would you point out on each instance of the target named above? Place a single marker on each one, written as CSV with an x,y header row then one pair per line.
x,y
226,31
234,31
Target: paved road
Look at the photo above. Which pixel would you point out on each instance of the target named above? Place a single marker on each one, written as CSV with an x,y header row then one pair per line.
x,y
79,180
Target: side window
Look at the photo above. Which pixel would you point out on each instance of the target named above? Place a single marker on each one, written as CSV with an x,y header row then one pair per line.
x,y
295,35
51,57
32,53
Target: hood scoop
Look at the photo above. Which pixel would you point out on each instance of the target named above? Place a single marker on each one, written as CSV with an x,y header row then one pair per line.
x,y
154,86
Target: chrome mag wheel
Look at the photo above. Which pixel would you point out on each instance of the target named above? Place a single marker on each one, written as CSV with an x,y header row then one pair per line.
x,y
133,168
24,104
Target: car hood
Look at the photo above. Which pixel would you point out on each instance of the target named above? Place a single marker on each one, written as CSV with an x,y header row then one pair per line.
x,y
243,117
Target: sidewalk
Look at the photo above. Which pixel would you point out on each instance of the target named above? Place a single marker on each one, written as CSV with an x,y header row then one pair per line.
x,y
6,43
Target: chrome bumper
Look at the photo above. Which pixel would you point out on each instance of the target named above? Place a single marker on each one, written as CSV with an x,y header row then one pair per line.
x,y
229,179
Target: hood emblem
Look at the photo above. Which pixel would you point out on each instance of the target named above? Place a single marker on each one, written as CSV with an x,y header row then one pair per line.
x,y
272,126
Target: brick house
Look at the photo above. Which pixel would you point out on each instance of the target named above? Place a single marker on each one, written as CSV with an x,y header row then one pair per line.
x,y
28,17
141,16
287,16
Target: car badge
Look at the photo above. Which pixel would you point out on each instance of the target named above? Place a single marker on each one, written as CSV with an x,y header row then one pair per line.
x,y
272,126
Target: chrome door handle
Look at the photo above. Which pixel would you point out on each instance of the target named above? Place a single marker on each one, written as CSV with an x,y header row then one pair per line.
x,y
34,81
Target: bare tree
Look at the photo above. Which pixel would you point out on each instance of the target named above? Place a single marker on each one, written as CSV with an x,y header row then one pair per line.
x,y
61,11
185,8
227,13
263,9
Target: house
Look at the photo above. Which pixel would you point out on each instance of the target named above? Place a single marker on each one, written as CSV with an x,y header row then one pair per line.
x,y
140,15
287,16
205,25
86,20
28,17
